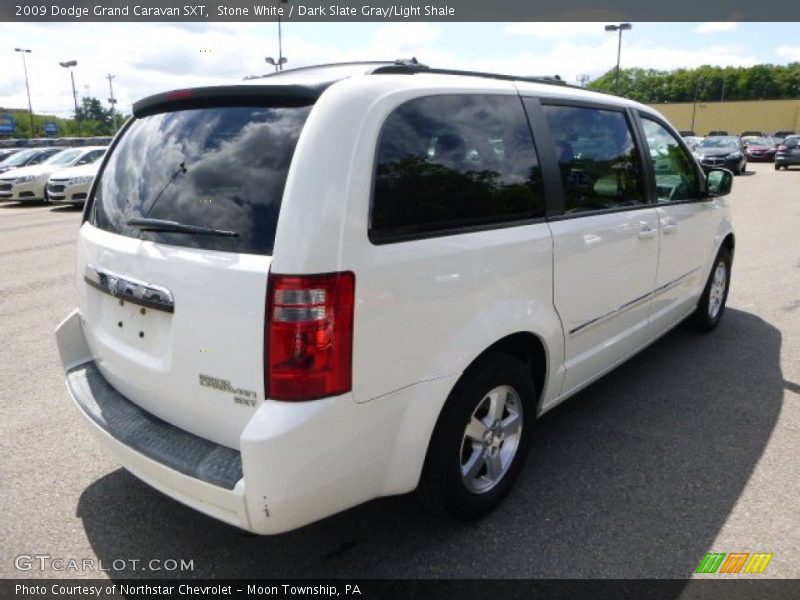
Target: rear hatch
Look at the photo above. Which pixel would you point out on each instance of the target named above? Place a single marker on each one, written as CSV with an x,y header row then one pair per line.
x,y
175,251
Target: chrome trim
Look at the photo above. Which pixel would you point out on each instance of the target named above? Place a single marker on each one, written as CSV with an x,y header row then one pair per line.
x,y
630,304
132,290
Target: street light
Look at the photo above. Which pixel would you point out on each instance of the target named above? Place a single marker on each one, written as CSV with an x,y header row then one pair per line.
x,y
25,51
621,27
69,64
112,101
278,64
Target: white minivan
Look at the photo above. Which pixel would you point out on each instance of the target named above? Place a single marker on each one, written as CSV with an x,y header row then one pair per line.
x,y
343,282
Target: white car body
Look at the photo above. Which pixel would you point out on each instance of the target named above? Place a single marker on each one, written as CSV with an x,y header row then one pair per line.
x,y
71,186
590,291
28,184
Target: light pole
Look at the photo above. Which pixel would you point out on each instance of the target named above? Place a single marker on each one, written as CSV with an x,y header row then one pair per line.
x,y
694,107
112,101
69,64
25,51
621,27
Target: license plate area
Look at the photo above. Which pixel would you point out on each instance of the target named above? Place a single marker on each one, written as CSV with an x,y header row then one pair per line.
x,y
136,326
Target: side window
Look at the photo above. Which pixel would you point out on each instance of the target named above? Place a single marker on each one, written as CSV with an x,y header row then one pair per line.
x,y
454,161
91,157
675,169
599,164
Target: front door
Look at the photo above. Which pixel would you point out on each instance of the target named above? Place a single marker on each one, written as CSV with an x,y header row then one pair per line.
x,y
605,245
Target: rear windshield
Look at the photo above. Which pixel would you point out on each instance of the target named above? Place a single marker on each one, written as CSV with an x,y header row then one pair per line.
x,y
217,168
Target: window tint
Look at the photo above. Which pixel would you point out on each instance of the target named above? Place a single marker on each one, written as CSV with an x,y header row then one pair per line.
x,y
219,168
90,157
675,169
454,161
19,159
63,158
40,158
599,165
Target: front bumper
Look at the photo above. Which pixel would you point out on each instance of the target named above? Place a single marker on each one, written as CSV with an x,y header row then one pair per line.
x,y
29,191
732,164
297,462
61,191
758,156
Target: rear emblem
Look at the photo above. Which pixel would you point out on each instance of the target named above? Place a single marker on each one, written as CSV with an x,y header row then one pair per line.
x,y
240,395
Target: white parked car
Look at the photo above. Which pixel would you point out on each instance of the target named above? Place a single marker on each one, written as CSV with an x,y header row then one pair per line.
x,y
334,284
28,184
71,185
26,157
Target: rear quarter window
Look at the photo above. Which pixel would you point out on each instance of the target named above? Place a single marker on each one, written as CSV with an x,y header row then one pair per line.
x,y
454,163
218,168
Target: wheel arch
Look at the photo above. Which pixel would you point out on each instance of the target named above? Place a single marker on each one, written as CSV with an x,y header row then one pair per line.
x,y
729,243
526,347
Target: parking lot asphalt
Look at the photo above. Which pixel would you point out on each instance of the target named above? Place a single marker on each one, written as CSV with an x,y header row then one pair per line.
x,y
690,447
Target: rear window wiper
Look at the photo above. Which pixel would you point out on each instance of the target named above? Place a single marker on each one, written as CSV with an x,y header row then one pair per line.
x,y
175,227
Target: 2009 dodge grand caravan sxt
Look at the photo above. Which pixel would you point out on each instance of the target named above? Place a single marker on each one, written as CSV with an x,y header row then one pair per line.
x,y
343,282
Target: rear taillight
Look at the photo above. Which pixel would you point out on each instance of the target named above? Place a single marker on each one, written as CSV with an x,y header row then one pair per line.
x,y
309,335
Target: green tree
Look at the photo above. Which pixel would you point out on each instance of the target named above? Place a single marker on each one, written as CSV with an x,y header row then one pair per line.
x,y
710,83
94,118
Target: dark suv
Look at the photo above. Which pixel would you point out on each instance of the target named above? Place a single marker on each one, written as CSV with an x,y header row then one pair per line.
x,y
788,153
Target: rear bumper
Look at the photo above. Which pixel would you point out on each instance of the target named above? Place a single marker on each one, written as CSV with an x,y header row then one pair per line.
x,y
297,462
203,475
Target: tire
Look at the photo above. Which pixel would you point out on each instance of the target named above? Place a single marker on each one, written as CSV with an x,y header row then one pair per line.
x,y
480,440
777,167
715,294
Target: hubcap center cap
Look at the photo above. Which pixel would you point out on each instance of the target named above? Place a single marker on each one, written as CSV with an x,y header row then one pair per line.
x,y
493,435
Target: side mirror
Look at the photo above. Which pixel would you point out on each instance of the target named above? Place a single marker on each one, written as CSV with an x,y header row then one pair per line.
x,y
719,182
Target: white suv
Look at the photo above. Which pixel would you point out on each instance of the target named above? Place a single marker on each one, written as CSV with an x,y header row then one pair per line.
x,y
338,283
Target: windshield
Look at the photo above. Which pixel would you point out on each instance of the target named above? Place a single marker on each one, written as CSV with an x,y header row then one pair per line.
x,y
63,158
720,142
20,158
219,168
761,142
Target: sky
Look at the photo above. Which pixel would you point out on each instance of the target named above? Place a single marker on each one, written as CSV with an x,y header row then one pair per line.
x,y
147,58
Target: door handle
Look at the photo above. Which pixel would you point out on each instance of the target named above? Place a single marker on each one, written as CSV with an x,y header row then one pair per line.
x,y
668,226
647,232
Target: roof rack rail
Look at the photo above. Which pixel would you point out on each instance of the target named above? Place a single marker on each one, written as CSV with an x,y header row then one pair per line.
x,y
412,66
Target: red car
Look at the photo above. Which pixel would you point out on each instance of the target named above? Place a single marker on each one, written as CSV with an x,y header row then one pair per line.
x,y
761,149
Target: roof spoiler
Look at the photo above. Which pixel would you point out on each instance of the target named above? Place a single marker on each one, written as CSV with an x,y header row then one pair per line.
x,y
229,95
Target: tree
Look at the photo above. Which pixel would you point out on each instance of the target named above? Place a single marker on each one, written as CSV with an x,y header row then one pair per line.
x,y
712,84
98,120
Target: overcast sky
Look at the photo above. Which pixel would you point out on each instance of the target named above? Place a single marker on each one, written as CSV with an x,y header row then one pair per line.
x,y
148,58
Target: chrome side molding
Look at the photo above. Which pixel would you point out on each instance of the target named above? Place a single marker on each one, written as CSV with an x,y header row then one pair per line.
x,y
131,290
632,303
